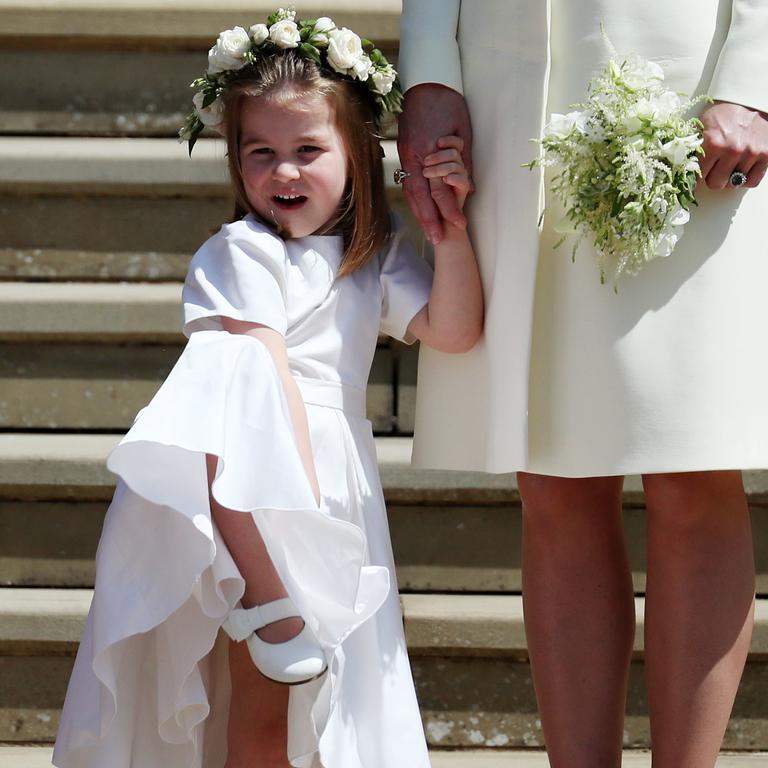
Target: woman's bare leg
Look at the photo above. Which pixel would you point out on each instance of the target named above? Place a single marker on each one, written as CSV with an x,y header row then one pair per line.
x,y
579,615
699,611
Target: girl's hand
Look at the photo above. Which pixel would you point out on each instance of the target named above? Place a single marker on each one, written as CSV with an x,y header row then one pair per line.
x,y
447,164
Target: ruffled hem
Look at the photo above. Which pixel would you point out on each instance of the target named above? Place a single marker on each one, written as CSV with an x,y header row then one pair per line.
x,y
165,582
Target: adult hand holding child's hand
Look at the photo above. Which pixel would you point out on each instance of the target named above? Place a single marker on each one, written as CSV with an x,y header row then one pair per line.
x,y
429,112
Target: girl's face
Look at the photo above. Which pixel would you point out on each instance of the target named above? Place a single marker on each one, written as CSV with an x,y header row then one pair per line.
x,y
293,162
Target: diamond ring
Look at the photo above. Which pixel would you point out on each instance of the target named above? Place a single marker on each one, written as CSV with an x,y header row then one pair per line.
x,y
738,178
400,175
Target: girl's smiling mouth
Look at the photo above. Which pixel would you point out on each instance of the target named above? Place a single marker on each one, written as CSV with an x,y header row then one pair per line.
x,y
289,201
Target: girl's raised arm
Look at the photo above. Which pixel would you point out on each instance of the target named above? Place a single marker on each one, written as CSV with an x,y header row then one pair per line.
x,y
452,320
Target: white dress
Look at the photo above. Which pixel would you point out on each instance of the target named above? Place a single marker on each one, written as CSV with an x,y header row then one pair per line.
x,y
150,683
571,379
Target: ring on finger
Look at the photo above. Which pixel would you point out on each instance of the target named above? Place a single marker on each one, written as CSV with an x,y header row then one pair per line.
x,y
738,178
400,175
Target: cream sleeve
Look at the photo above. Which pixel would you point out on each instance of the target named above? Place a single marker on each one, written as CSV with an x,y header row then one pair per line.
x,y
740,75
429,51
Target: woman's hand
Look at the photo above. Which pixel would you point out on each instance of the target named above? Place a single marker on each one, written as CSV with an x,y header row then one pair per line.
x,y
447,165
735,139
431,110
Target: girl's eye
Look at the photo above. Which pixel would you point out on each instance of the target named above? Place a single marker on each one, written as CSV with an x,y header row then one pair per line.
x,y
309,148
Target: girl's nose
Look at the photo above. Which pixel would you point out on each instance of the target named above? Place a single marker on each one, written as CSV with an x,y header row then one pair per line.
x,y
286,171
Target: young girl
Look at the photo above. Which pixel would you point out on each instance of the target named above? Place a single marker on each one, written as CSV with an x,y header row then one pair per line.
x,y
249,496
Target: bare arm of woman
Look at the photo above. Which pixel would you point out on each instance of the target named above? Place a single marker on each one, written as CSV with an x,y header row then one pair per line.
x,y
452,320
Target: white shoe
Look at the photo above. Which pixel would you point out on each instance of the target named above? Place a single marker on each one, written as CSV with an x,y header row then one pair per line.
x,y
294,661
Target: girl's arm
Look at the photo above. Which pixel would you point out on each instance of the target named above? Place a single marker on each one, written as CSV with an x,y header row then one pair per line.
x,y
275,344
452,320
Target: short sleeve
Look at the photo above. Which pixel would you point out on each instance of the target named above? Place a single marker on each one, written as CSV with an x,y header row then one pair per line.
x,y
406,280
237,273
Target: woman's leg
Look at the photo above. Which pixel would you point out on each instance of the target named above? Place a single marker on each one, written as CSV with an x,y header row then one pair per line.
x,y
257,727
579,615
699,611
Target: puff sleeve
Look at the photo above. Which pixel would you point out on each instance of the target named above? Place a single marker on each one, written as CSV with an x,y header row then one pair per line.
x,y
429,51
406,281
237,273
740,74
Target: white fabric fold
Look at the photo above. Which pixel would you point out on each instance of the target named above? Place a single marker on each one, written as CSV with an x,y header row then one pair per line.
x,y
165,581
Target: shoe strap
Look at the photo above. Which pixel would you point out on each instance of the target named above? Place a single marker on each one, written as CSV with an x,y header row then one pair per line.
x,y
242,622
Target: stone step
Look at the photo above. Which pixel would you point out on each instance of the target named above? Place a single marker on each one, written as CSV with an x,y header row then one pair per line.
x,y
66,386
40,757
115,209
451,531
468,653
122,68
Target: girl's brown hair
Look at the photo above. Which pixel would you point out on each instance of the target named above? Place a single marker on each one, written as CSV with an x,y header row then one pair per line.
x,y
287,76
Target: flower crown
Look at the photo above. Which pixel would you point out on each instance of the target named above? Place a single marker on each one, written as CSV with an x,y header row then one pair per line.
x,y
338,49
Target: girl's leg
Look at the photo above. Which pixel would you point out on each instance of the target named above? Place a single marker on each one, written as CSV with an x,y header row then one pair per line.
x,y
579,615
699,611
257,730
262,584
257,727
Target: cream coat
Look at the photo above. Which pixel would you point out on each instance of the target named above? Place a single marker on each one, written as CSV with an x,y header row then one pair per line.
x,y
570,378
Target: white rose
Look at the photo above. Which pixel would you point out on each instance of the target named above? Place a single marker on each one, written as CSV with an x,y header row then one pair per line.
x,y
213,114
383,80
259,33
229,51
320,34
285,34
345,49
362,68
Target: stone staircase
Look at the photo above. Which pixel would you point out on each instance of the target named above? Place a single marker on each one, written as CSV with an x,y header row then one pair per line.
x,y
100,210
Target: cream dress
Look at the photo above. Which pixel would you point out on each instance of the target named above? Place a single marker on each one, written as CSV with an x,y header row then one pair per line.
x,y
572,379
150,684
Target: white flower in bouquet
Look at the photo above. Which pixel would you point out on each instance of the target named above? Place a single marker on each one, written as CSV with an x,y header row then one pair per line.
x,y
228,53
627,164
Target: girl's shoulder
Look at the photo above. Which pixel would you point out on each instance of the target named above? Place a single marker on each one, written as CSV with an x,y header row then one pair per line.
x,y
246,237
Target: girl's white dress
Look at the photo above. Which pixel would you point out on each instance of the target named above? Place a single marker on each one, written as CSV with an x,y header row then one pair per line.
x,y
150,683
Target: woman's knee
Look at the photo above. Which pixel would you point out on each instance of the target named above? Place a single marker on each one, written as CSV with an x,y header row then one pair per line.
x,y
549,496
692,493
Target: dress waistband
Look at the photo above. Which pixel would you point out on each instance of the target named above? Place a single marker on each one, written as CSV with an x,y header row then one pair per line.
x,y
332,394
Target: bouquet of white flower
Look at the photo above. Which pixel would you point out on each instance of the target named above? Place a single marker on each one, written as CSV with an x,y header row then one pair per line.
x,y
629,162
